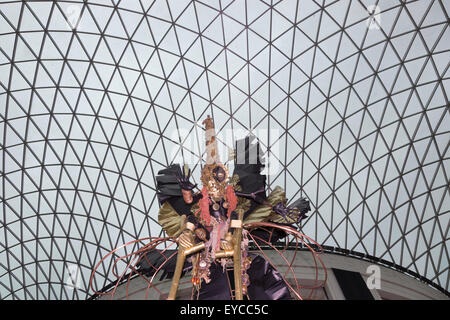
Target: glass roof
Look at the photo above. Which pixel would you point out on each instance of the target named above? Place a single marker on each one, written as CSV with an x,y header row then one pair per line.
x,y
349,99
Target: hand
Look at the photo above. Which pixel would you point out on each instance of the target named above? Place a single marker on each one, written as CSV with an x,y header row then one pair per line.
x,y
281,209
183,179
227,243
186,239
288,212
302,206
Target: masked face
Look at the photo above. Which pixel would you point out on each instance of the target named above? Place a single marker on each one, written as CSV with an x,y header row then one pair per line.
x,y
215,179
219,174
187,196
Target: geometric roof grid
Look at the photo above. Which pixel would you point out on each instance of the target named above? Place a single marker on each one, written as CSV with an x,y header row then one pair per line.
x,y
350,100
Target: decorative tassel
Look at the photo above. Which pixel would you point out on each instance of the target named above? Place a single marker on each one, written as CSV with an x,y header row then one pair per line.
x,y
204,206
213,238
231,199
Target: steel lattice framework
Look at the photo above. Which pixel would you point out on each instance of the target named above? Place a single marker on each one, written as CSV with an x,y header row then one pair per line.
x,y
92,91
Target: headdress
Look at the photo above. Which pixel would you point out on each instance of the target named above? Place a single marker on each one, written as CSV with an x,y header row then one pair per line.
x,y
214,174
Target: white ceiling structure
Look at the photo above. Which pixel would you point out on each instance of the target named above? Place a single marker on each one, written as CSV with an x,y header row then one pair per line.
x,y
349,98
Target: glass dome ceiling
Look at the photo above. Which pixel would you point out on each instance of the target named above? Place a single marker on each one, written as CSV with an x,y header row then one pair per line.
x,y
349,98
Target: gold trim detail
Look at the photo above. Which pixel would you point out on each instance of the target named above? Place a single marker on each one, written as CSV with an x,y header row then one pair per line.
x,y
169,219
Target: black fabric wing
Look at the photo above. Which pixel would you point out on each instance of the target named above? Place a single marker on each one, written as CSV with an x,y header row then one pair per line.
x,y
249,164
167,185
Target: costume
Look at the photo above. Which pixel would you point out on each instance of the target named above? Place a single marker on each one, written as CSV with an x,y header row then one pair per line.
x,y
214,226
211,216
